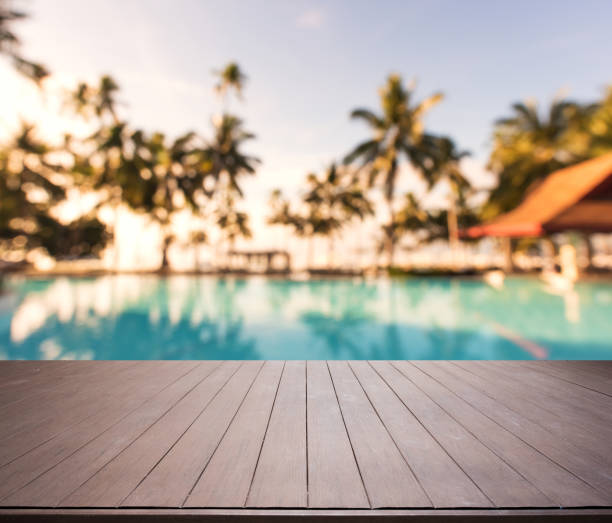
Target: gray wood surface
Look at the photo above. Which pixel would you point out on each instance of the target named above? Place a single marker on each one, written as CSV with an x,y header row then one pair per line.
x,y
280,477
239,436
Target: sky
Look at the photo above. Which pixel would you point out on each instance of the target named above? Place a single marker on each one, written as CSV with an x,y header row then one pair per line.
x,y
310,63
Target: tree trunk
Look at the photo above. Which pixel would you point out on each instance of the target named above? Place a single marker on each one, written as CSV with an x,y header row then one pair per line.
x,y
548,254
330,252
390,249
453,231
116,239
508,262
309,252
589,252
390,236
166,242
197,258
165,264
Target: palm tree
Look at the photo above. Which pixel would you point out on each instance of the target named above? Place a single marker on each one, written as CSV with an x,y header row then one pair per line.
x,y
227,165
528,147
283,214
334,199
447,170
89,100
106,101
227,162
231,77
109,163
599,126
32,183
198,238
398,132
411,217
139,170
233,223
330,202
171,179
10,44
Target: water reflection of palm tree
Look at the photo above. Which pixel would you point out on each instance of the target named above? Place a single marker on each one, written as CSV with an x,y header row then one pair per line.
x,y
279,293
342,327
133,336
155,320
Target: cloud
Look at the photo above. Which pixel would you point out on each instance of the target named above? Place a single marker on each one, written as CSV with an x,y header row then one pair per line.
x,y
312,18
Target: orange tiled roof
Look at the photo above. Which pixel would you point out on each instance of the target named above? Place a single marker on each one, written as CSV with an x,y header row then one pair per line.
x,y
556,204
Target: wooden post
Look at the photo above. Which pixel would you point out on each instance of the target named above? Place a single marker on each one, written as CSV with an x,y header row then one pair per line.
x,y
507,248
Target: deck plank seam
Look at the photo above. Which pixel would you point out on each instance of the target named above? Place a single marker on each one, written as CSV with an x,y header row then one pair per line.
x,y
265,434
348,435
12,434
585,372
576,395
51,388
430,433
143,432
543,406
417,480
555,376
535,420
182,433
476,437
306,426
579,478
224,433
98,386
94,437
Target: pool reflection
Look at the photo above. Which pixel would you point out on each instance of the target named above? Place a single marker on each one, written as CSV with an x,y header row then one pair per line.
x,y
183,317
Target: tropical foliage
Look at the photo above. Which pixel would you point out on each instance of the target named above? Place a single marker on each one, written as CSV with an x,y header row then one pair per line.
x,y
123,167
330,202
160,177
32,183
529,145
10,44
398,133
231,77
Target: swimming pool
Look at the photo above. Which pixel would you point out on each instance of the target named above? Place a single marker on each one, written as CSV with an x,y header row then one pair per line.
x,y
188,317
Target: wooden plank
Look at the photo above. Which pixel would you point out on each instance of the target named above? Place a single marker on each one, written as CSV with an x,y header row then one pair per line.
x,y
587,377
581,398
587,449
333,476
601,368
170,482
546,397
227,477
280,477
110,483
495,478
524,445
443,480
13,371
27,413
523,435
39,380
73,472
388,479
132,394
71,407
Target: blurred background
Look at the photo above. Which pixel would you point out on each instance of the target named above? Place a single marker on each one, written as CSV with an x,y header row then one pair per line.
x,y
307,140
207,136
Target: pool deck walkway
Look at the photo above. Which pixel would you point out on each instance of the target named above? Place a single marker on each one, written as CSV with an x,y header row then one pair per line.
x,y
274,440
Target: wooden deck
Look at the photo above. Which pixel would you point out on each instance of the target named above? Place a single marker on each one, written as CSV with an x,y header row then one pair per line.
x,y
314,440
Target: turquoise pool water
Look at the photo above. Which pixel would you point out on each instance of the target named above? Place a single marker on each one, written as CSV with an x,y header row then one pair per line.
x,y
183,317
